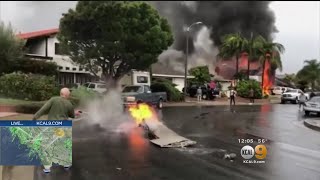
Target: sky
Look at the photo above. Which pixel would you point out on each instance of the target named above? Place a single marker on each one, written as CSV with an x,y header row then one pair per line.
x,y
298,23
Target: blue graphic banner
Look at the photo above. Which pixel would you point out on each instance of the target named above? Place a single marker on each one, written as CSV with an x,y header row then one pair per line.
x,y
24,123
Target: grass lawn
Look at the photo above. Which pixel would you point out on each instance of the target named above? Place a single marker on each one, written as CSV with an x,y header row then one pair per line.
x,y
8,101
22,117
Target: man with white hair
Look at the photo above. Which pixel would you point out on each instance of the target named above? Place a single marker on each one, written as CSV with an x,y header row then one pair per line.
x,y
57,108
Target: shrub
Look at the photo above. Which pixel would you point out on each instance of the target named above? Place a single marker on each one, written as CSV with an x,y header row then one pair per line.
x,y
28,86
30,108
244,86
26,65
163,85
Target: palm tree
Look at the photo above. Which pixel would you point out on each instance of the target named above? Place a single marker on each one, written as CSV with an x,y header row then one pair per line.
x,y
232,45
310,72
270,53
290,79
253,46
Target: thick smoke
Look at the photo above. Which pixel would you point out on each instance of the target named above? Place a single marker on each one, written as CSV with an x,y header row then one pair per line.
x,y
221,17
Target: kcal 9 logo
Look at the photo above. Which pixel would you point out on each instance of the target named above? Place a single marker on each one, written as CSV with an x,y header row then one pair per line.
x,y
260,152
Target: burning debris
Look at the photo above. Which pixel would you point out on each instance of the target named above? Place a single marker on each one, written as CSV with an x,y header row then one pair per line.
x,y
146,117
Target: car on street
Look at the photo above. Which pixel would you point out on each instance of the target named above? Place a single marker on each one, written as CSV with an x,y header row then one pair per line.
x,y
315,93
278,90
312,106
96,86
292,96
132,95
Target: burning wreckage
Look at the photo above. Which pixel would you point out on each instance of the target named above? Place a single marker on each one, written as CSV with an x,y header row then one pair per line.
x,y
159,134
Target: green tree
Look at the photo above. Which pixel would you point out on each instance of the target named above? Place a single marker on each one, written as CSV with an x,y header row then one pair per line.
x,y
235,45
232,45
11,47
201,75
114,36
310,72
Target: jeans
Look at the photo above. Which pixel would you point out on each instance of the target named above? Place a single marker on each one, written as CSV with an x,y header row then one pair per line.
x,y
232,99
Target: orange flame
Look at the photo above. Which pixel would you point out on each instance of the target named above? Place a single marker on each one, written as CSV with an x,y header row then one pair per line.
x,y
142,112
267,83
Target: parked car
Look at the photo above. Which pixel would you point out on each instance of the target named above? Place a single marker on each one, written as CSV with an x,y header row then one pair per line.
x,y
98,87
292,96
312,106
315,93
142,93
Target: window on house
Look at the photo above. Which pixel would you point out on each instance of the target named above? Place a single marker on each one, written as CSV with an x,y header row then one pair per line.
x,y
67,68
57,49
74,69
80,69
60,67
87,69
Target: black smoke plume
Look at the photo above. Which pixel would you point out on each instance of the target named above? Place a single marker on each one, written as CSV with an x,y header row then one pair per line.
x,y
222,17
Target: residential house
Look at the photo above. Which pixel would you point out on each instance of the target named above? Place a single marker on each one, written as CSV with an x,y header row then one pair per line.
x,y
160,70
44,46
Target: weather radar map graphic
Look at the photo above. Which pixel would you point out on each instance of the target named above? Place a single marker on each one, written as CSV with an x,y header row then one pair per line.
x,y
36,143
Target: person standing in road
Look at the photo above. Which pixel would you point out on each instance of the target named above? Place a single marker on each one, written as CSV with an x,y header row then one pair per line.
x,y
302,100
232,96
199,93
251,95
58,108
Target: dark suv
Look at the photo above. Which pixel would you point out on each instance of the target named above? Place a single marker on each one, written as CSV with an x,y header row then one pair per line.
x,y
207,93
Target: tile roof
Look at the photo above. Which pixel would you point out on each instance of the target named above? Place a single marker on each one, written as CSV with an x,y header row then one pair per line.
x,y
38,33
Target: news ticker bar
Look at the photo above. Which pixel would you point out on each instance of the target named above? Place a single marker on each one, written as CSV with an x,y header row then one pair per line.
x,y
24,123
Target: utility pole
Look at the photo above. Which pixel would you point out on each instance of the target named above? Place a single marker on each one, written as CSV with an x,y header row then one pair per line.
x,y
186,61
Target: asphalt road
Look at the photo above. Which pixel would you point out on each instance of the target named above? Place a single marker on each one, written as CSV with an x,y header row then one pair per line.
x,y
293,149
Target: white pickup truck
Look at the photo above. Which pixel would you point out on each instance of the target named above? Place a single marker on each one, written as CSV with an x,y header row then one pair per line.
x,y
292,96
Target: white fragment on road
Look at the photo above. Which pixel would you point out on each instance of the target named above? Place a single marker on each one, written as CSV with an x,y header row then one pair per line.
x,y
119,169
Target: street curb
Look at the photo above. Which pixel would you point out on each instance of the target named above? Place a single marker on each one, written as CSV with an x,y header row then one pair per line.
x,y
308,123
185,104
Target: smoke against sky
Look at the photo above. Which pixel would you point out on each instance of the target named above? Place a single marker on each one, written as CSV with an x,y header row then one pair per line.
x,y
222,17
28,16
297,22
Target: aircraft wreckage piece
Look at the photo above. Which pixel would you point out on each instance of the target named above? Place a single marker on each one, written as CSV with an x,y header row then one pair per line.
x,y
162,136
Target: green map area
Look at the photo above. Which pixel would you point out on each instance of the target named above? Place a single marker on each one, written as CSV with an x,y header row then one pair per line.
x,y
50,144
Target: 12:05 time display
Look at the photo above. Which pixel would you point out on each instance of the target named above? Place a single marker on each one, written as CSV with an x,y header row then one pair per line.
x,y
245,141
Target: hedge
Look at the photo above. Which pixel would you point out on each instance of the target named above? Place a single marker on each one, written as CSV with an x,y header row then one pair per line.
x,y
244,86
28,86
30,108
27,65
163,85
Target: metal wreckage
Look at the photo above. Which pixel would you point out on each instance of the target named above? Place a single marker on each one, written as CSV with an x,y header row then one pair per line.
x,y
158,133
